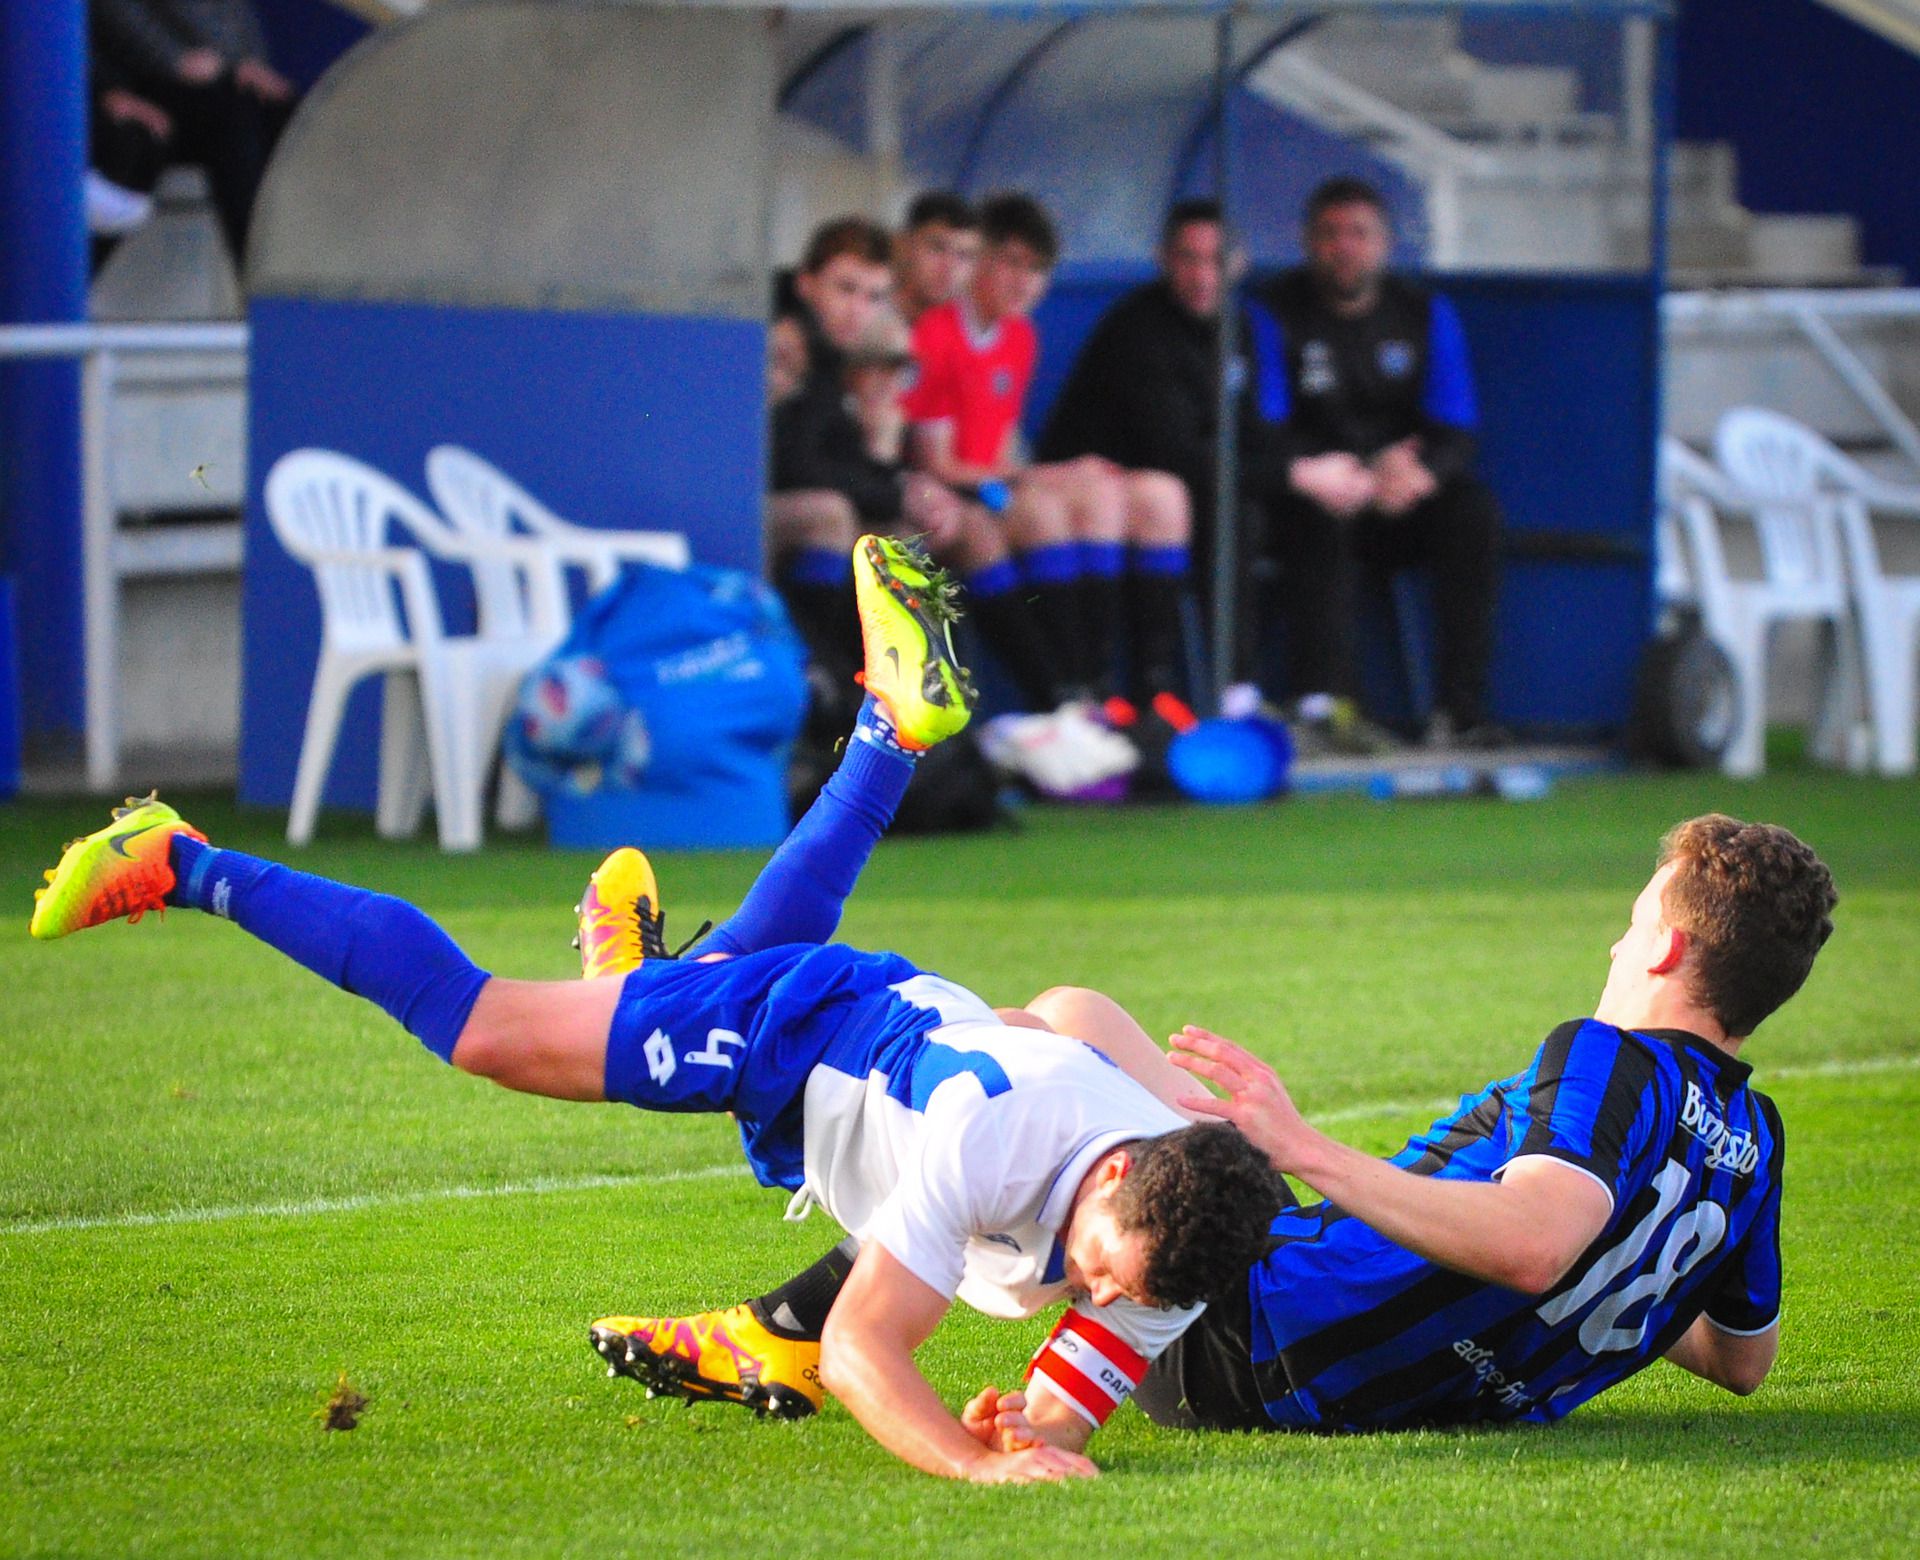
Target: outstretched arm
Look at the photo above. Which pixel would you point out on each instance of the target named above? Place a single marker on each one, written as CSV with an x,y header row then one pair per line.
x,y
1522,1232
1739,1362
866,1360
1097,1020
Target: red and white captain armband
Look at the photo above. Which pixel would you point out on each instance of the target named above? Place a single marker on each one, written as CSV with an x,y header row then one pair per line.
x,y
1087,1366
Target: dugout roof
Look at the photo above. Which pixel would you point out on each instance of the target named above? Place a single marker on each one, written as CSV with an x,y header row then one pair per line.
x,y
604,153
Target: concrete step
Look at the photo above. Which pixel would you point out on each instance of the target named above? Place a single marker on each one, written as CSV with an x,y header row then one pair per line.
x,y
1393,38
1804,248
1724,245
176,266
1704,174
1524,94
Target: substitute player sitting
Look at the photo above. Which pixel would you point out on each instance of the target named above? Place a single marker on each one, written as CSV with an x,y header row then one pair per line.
x,y
1100,550
1010,1167
1615,1202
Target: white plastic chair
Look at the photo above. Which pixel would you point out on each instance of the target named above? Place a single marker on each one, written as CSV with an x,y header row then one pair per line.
x,y
1800,580
1679,539
1795,465
379,613
482,500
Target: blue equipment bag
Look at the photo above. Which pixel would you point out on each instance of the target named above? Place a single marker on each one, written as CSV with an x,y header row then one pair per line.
x,y
665,718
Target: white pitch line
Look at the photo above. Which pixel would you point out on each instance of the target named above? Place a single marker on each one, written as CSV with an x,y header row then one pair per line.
x,y
585,1183
313,1205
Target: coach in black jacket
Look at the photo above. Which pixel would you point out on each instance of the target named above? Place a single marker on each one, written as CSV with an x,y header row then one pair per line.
x,y
1361,383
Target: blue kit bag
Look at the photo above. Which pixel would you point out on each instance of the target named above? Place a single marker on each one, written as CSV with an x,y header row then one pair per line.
x,y
665,718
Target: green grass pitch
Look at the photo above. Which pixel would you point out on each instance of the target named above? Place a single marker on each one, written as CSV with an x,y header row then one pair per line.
x,y
222,1184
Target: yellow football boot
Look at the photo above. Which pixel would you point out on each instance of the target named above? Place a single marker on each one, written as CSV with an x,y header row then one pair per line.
x,y
621,922
124,869
907,611
718,1356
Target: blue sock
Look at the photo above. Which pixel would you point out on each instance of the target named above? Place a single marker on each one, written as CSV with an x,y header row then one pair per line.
x,y
1103,560
799,893
1058,563
818,566
371,944
875,724
1166,562
996,579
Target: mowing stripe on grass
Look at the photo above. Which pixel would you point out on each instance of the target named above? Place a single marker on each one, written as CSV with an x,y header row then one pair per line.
x,y
585,1183
1839,1069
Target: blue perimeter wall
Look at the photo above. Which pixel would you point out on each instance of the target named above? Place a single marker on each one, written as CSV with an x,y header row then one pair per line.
x,y
613,420
1567,374
649,421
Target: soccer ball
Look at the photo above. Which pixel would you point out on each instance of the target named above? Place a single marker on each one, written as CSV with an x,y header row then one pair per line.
x,y
569,724
632,750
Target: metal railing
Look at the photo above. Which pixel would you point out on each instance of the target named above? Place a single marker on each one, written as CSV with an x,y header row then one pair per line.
x,y
1814,315
98,349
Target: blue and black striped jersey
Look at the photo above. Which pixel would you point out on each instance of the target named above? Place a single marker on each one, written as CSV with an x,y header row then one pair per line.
x,y
1351,1332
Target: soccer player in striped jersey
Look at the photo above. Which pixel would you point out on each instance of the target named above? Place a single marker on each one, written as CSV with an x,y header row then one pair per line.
x,y
1615,1202
1006,1166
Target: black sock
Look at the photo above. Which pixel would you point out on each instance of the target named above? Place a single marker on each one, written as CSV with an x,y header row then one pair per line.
x,y
828,623
1100,607
1006,623
1153,623
1055,612
798,1308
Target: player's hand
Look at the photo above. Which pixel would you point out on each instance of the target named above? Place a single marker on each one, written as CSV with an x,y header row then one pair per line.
x,y
1401,480
199,67
127,108
1257,1102
1038,1464
998,1420
932,509
1338,482
263,81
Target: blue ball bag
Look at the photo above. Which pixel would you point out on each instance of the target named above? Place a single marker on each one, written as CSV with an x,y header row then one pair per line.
x,y
1231,762
705,676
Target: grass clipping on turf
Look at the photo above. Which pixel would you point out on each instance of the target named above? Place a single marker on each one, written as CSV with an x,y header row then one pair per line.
x,y
343,1409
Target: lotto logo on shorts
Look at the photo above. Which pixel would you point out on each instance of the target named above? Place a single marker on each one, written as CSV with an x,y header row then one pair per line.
x,y
662,1063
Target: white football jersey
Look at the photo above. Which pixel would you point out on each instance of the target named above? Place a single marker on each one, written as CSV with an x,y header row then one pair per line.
x,y
966,1176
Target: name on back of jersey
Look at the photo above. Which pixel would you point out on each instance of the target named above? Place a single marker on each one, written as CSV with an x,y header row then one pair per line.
x,y
1726,1149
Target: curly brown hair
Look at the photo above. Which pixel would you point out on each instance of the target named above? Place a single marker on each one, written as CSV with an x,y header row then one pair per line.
x,y
1756,905
1204,1196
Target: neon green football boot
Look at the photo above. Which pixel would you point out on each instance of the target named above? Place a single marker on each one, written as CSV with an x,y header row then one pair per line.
x,y
124,869
907,611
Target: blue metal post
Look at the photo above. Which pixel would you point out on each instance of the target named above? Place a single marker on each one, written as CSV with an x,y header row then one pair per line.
x,y
1666,113
43,279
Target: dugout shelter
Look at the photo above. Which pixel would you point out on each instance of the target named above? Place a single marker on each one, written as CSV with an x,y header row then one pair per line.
x,y
547,229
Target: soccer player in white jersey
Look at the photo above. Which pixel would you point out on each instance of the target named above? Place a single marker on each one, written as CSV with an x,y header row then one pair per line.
x,y
1615,1202
1008,1166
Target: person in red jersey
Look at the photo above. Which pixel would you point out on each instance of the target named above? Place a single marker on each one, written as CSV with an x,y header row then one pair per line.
x,y
934,253
830,481
1097,546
